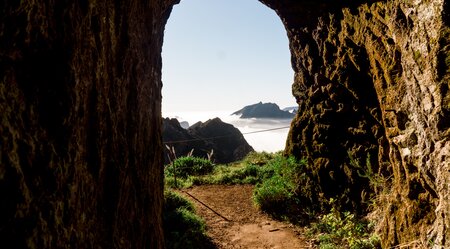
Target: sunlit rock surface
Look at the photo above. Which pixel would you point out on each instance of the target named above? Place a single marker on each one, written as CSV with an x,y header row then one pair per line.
x,y
371,81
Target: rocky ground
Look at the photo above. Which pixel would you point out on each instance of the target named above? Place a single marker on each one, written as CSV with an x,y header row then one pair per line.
x,y
242,224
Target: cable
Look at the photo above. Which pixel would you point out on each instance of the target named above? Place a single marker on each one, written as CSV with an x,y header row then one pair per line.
x,y
273,129
208,207
231,135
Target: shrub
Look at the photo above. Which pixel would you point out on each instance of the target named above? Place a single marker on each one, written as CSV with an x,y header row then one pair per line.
x,y
285,190
189,166
182,227
344,230
273,194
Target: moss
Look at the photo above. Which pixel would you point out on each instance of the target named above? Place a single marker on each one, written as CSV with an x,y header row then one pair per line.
x,y
417,56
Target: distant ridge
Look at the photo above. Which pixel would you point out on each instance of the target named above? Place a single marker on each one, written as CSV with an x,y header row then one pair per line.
x,y
264,110
229,144
291,109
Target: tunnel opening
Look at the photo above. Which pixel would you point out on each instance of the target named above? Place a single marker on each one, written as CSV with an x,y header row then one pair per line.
x,y
221,56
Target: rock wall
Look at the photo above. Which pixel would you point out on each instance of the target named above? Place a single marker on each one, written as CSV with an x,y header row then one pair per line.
x,y
371,81
80,105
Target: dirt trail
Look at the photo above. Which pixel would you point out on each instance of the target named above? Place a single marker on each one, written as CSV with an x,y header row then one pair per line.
x,y
247,226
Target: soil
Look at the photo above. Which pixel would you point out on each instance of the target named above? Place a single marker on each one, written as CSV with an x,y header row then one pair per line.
x,y
242,225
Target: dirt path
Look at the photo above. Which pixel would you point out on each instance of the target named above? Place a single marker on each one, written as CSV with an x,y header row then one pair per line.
x,y
247,226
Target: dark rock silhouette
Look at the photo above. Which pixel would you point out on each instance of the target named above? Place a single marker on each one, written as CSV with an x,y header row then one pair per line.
x,y
226,141
80,104
263,110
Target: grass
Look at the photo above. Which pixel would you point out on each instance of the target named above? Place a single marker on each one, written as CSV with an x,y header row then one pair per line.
x,y
182,227
277,179
251,170
284,189
189,166
278,193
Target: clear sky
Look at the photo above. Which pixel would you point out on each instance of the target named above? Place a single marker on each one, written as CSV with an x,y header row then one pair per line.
x,y
221,55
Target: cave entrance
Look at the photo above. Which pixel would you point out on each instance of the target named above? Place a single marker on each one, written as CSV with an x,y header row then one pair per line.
x,y
221,55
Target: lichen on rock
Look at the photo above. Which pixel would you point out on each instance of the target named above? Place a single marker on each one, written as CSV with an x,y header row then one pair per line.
x,y
370,80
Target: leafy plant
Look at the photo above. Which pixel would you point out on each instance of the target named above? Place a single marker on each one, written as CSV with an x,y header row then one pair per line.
x,y
344,230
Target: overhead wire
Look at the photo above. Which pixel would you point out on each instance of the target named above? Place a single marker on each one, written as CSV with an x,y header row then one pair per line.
x,y
224,136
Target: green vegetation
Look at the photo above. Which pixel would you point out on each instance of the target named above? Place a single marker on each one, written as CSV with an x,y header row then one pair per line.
x,y
284,189
277,179
189,166
250,171
182,227
343,230
281,193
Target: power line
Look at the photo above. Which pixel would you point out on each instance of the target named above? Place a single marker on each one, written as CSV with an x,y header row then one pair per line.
x,y
224,136
273,129
196,139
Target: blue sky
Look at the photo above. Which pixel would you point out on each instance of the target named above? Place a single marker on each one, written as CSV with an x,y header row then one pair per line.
x,y
220,55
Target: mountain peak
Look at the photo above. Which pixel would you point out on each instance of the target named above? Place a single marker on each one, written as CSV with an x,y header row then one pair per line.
x,y
263,110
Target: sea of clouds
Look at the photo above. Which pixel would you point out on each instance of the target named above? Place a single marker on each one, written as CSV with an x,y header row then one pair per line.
x,y
269,141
